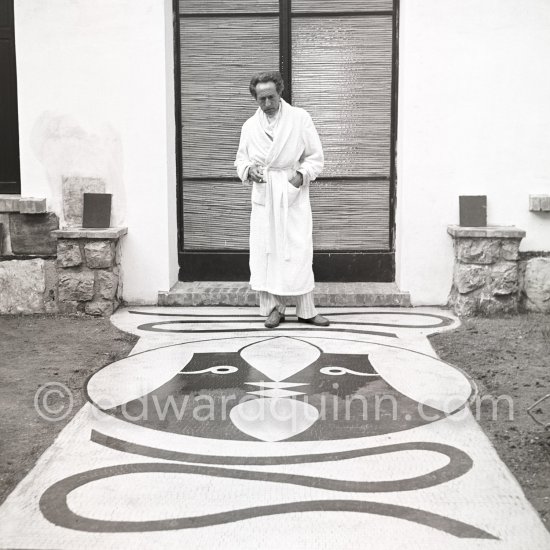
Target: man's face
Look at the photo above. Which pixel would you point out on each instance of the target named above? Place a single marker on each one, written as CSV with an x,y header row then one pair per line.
x,y
267,97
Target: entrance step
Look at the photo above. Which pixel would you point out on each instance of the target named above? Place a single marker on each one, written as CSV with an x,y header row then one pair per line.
x,y
220,293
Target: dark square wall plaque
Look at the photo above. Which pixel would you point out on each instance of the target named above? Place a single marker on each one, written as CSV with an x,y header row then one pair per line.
x,y
473,210
97,210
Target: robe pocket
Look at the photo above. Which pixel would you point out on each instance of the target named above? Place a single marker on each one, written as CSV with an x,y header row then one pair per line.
x,y
293,193
258,193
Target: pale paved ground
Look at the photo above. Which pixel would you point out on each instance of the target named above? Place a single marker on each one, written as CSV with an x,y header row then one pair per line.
x,y
218,431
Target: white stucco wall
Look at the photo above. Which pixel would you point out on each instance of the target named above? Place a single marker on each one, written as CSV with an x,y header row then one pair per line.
x,y
474,119
96,98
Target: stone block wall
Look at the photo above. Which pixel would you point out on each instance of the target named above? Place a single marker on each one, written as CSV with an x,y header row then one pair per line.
x,y
534,281
30,234
88,268
486,272
25,228
28,286
88,277
47,270
28,277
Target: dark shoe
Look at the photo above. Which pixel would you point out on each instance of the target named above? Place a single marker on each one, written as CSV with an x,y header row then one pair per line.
x,y
318,321
275,317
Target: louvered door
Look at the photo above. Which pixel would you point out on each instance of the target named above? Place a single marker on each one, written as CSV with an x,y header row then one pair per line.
x,y
337,58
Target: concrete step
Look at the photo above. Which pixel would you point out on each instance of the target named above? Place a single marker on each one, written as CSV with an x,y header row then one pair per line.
x,y
221,293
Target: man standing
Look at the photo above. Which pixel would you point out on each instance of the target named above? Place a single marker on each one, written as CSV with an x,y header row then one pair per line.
x,y
280,153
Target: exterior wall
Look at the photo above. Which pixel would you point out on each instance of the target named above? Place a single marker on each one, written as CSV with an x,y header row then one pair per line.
x,y
96,99
474,119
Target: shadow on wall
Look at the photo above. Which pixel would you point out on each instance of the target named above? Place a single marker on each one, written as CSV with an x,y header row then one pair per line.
x,y
71,152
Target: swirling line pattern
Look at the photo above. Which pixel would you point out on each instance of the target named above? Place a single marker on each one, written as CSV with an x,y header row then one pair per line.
x,y
443,321
53,502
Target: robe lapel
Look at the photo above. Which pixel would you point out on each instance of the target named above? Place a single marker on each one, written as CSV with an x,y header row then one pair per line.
x,y
262,140
281,133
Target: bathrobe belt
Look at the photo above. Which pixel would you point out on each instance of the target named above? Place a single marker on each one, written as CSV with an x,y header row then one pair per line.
x,y
276,210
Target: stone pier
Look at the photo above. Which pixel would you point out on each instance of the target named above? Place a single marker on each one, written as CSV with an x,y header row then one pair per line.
x,y
88,262
486,274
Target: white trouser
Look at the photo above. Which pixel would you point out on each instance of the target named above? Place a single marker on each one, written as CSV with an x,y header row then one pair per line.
x,y
305,307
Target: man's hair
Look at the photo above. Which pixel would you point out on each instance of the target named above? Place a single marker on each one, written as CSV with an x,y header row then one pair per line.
x,y
267,76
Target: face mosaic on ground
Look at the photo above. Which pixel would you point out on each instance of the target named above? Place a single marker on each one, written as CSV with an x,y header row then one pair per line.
x,y
215,428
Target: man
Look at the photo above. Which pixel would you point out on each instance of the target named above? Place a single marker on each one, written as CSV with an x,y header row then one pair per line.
x,y
280,153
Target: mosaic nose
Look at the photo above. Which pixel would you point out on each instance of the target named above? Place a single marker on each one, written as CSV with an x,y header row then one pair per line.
x,y
275,417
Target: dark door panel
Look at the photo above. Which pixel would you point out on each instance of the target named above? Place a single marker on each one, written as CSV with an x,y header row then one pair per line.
x,y
336,267
9,133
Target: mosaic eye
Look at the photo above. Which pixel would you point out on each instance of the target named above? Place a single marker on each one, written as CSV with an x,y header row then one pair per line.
x,y
223,369
339,371
219,369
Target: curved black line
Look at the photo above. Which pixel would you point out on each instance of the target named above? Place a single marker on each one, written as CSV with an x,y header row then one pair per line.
x,y
250,320
205,315
459,464
53,505
444,321
150,327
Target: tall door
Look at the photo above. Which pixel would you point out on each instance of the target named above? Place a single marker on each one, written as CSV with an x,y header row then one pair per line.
x,y
9,133
337,59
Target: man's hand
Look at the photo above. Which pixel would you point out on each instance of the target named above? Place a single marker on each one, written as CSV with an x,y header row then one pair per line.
x,y
256,173
297,180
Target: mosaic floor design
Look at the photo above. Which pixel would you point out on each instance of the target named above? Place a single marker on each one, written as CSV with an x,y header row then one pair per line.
x,y
217,430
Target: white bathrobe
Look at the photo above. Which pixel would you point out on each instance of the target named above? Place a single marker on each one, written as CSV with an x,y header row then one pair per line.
x,y
281,245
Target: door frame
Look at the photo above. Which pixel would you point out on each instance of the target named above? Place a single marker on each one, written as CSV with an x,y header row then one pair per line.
x,y
7,36
328,266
